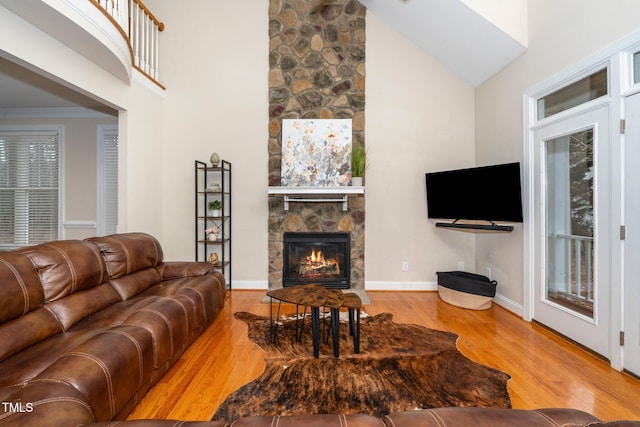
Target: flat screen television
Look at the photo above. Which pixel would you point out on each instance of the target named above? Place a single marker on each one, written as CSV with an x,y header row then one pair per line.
x,y
487,193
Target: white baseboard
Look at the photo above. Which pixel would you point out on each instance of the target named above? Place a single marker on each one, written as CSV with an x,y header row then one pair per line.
x,y
250,285
400,286
510,305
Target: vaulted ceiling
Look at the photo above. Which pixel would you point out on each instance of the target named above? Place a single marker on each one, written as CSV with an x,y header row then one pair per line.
x,y
454,34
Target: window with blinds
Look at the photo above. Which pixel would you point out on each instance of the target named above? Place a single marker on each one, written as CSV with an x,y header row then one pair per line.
x,y
108,181
29,187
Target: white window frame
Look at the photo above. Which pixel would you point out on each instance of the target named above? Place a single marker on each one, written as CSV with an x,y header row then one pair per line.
x,y
103,198
59,129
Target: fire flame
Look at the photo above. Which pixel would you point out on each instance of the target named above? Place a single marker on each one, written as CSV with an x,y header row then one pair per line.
x,y
316,261
316,257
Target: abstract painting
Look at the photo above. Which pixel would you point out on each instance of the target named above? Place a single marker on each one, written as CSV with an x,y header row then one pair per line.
x,y
316,152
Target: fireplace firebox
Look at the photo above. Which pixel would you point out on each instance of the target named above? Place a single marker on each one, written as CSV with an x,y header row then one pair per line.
x,y
323,258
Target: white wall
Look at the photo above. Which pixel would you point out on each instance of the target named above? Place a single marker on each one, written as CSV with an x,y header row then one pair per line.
x,y
419,118
216,73
561,33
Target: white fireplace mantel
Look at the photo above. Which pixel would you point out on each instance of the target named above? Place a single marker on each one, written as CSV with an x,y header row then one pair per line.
x,y
315,194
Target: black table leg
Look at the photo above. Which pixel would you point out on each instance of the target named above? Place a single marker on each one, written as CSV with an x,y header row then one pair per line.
x,y
315,327
335,328
354,328
273,323
356,336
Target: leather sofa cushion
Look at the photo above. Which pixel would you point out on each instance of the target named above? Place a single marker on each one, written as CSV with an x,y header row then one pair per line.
x,y
318,420
52,403
490,417
66,266
129,252
167,323
72,309
25,331
132,284
107,369
21,290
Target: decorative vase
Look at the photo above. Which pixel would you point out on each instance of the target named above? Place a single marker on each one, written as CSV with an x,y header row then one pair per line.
x,y
356,181
213,258
214,159
212,237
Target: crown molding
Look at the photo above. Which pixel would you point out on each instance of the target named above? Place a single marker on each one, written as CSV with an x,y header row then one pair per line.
x,y
52,113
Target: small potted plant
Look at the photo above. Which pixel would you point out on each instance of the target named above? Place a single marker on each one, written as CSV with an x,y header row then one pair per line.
x,y
212,233
358,164
214,207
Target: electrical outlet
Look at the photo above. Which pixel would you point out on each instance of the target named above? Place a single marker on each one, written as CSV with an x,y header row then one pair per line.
x,y
461,265
405,265
488,269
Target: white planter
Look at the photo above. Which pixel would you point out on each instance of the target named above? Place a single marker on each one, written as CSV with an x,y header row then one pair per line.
x,y
215,212
212,237
356,181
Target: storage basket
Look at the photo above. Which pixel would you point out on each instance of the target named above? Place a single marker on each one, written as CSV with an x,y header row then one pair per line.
x,y
466,290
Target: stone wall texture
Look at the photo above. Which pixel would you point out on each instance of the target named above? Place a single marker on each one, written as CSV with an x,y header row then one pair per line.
x,y
316,71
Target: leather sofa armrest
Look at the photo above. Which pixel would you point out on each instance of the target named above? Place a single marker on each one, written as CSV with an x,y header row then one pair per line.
x,y
177,269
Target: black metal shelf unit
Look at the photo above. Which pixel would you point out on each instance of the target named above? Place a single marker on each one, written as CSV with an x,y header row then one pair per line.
x,y
213,183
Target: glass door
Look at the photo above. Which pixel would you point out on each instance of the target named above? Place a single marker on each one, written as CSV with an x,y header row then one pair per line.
x,y
571,192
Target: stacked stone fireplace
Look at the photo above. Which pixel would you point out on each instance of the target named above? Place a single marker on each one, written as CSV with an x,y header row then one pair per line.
x,y
316,71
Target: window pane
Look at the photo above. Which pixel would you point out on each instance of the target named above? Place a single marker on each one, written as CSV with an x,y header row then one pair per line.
x,y
569,221
110,181
587,89
28,188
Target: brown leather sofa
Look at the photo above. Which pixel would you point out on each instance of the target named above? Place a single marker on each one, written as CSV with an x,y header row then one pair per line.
x,y
439,417
87,326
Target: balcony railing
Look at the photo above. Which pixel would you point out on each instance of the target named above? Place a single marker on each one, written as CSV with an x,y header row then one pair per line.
x,y
574,282
141,28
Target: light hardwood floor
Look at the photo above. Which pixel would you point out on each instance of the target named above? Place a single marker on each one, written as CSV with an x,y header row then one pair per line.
x,y
546,370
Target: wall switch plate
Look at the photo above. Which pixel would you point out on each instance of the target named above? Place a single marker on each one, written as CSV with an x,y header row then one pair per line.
x,y
405,265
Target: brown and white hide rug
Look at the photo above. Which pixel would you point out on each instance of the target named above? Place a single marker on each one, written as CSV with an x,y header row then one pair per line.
x,y
400,367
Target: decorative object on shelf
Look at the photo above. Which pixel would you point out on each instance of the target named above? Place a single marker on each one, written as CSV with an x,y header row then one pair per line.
x,y
213,258
214,188
212,233
214,159
214,207
358,164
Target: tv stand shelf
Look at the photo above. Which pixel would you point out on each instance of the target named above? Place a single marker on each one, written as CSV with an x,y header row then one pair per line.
x,y
485,227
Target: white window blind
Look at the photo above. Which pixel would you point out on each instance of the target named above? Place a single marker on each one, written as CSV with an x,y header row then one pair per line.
x,y
29,187
108,182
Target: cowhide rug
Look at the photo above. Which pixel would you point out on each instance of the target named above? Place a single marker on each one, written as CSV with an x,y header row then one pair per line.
x,y
400,367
